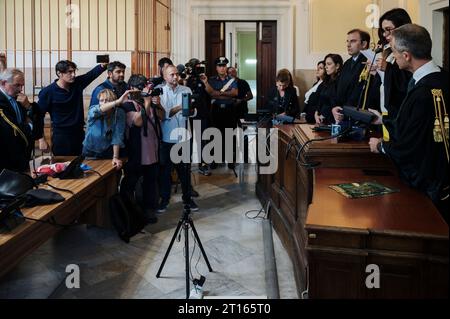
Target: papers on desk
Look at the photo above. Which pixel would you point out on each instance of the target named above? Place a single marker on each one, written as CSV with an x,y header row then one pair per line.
x,y
362,189
369,54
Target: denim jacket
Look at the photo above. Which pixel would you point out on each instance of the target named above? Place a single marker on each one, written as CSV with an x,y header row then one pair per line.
x,y
99,137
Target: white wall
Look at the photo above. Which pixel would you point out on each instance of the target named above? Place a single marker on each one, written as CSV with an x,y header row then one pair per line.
x,y
432,18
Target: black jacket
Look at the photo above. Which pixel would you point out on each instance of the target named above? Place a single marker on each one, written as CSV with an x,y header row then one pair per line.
x,y
395,87
17,140
328,99
288,104
313,103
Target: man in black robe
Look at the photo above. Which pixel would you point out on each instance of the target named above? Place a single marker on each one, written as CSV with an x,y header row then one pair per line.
x,y
419,141
349,86
20,122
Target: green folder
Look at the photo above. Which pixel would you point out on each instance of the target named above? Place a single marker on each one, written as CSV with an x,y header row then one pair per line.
x,y
362,189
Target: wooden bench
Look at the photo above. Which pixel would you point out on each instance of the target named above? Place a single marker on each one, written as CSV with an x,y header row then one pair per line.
x,y
88,205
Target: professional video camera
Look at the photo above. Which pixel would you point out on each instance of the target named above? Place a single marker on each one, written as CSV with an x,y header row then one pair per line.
x,y
195,68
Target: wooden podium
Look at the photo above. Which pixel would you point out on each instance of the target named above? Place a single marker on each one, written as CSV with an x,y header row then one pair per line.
x,y
331,239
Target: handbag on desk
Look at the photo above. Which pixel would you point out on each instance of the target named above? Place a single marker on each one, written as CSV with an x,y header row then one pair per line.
x,y
13,184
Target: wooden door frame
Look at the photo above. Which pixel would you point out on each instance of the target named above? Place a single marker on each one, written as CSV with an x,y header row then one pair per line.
x,y
258,67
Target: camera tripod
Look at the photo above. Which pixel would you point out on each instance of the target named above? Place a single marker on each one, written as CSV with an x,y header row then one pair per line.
x,y
185,222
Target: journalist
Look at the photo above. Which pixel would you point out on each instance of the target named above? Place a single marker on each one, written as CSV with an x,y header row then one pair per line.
x,y
171,101
143,135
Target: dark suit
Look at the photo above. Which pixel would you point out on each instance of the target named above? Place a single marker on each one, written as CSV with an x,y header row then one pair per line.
x,y
17,139
349,88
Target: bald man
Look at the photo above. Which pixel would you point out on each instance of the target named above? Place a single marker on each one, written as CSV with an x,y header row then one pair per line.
x,y
171,101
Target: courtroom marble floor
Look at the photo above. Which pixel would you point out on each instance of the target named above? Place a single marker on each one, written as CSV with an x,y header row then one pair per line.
x,y
110,268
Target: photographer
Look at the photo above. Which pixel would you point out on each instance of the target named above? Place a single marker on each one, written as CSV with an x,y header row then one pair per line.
x,y
195,71
143,136
115,81
158,81
106,127
171,101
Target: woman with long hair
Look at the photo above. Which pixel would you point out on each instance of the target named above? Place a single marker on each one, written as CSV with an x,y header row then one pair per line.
x,y
313,94
394,82
328,95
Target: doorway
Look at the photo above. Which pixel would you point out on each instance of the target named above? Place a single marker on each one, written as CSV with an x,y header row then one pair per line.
x,y
250,46
240,47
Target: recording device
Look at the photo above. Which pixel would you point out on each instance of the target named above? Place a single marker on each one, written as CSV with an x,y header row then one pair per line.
x,y
154,92
186,104
358,115
321,128
195,68
181,71
154,82
103,58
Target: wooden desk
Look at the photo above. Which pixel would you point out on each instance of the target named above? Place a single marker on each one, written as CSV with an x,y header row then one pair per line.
x,y
402,233
88,205
291,189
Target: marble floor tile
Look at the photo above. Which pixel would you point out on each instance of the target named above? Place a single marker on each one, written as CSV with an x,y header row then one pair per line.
x,y
110,268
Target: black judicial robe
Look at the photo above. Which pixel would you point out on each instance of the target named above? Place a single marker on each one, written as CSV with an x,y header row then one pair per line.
x,y
395,87
349,88
421,161
16,147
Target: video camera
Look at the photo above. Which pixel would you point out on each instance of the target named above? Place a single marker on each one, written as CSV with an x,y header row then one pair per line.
x,y
195,68
154,92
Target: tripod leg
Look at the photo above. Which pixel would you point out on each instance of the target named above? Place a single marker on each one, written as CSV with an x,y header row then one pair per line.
x,y
170,247
186,248
200,244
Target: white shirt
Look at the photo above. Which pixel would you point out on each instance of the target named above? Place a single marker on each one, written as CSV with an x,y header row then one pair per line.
x,y
170,99
424,70
312,90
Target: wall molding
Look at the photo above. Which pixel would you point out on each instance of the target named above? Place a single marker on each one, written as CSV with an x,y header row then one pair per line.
x,y
197,12
432,18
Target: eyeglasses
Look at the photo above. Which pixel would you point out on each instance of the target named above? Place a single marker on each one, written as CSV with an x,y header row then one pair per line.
x,y
388,30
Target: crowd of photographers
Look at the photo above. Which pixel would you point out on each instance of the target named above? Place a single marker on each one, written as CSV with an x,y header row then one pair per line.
x,y
135,120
